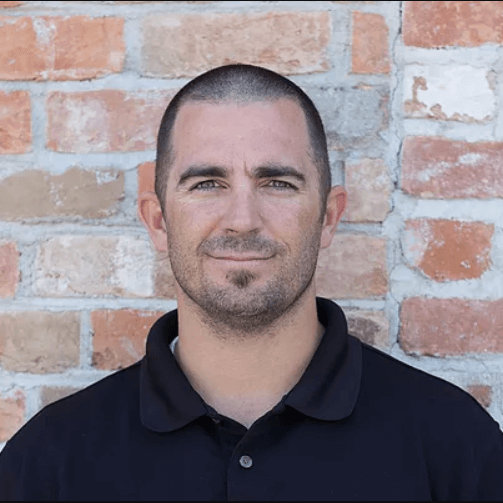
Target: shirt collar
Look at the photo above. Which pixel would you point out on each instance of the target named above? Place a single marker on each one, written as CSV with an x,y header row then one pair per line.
x,y
327,390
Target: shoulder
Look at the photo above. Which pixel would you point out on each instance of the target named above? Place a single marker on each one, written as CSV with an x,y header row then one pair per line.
x,y
49,443
388,375
448,430
427,400
81,411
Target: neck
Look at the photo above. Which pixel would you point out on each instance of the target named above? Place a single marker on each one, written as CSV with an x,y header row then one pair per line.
x,y
243,378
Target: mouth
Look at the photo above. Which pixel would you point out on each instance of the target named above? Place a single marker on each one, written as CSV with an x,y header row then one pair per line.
x,y
240,258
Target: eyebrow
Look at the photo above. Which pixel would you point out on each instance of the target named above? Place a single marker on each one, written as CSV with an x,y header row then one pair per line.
x,y
268,170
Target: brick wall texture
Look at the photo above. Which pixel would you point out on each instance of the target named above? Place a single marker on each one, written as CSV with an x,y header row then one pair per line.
x,y
410,94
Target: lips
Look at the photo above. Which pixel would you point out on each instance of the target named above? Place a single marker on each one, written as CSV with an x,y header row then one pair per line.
x,y
240,258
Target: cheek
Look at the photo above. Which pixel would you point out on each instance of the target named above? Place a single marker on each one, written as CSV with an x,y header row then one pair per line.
x,y
288,218
191,221
293,216
295,224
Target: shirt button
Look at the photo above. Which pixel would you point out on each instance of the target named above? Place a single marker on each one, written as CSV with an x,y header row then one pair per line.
x,y
245,461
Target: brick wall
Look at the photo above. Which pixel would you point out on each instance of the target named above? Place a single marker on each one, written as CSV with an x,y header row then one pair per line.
x,y
410,93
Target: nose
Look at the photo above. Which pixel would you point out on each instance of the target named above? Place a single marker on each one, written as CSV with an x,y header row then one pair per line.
x,y
243,214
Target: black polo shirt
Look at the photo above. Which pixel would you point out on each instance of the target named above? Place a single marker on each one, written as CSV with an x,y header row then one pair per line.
x,y
359,425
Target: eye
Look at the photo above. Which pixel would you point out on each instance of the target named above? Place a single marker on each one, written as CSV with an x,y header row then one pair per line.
x,y
209,185
281,185
206,185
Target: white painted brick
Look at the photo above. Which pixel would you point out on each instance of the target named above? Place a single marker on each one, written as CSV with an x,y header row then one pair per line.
x,y
70,266
462,92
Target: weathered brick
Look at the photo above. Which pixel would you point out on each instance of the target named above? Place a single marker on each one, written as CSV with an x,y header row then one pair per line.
x,y
119,336
12,413
52,394
69,266
133,2
9,270
5,4
57,48
445,327
287,42
370,52
442,168
75,193
87,47
353,267
22,54
104,121
441,24
39,342
482,393
369,190
15,122
353,117
371,327
456,92
448,250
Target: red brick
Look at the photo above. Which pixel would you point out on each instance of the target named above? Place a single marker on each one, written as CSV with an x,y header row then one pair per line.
x,y
104,121
440,168
12,414
75,193
119,336
353,267
21,55
441,24
448,250
39,342
53,48
8,4
15,122
87,47
482,393
369,191
370,52
133,2
287,42
447,327
371,327
9,272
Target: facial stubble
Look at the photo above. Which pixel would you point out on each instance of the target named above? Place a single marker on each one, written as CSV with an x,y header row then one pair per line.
x,y
241,308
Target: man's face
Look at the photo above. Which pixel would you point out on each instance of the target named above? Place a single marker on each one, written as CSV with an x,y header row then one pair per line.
x,y
242,211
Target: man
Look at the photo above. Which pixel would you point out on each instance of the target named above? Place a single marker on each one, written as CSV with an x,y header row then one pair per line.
x,y
252,389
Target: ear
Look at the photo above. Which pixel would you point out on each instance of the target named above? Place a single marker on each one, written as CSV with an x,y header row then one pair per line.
x,y
150,212
336,204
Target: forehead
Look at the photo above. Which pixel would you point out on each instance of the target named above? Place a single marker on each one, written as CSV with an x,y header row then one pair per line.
x,y
234,133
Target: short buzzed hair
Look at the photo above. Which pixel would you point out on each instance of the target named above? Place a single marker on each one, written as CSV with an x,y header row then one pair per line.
x,y
238,83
